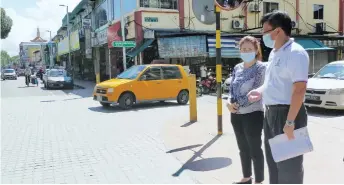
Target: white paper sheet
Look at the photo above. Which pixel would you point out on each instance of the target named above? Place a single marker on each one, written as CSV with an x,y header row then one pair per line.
x,y
283,149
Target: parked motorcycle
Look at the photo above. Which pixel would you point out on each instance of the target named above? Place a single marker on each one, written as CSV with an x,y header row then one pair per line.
x,y
209,84
227,83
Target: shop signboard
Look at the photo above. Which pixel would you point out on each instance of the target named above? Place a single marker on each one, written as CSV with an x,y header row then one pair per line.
x,y
113,34
74,41
88,46
124,44
86,23
62,47
100,39
178,47
151,19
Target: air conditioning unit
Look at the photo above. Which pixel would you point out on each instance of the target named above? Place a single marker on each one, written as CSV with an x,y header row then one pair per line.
x,y
294,24
237,24
255,8
93,34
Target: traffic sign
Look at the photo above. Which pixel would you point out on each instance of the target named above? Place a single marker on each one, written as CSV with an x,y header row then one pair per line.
x,y
124,44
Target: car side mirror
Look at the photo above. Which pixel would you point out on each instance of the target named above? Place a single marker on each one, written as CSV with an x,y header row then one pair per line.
x,y
143,77
311,75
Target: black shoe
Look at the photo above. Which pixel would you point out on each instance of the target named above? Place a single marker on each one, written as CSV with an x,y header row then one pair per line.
x,y
247,182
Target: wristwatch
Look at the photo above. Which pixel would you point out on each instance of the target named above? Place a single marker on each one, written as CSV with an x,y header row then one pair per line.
x,y
290,123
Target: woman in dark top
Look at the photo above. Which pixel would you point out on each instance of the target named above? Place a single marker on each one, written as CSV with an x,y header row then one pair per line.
x,y
246,117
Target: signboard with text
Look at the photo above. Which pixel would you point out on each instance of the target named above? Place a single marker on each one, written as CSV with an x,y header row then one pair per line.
x,y
113,34
125,44
178,47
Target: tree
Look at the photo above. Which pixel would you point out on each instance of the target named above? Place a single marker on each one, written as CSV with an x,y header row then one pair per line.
x,y
6,24
15,59
5,58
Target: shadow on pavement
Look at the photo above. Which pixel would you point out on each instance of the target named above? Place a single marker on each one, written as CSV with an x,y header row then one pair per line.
x,y
27,86
184,148
209,164
204,164
84,93
325,113
188,123
48,101
141,106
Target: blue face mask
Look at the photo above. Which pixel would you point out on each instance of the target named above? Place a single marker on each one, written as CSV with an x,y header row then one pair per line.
x,y
268,41
248,57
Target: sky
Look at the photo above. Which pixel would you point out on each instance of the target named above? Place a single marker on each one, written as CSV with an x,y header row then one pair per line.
x,y
27,15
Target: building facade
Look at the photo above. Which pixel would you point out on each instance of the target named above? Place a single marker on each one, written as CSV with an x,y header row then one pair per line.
x,y
183,31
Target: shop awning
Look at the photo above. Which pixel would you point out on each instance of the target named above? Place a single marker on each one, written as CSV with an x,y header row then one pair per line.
x,y
312,44
140,48
229,47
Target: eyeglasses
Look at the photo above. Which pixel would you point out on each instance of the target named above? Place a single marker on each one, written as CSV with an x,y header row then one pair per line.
x,y
264,32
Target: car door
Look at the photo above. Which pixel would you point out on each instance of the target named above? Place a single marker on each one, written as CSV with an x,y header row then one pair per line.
x,y
172,81
149,85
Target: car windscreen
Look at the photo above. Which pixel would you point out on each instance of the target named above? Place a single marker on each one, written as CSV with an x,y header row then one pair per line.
x,y
57,73
9,71
132,72
335,71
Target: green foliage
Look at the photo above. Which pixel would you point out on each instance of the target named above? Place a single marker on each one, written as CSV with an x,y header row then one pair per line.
x,y
15,59
5,58
6,24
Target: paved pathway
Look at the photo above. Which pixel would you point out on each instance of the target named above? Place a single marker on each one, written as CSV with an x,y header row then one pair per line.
x,y
55,137
212,159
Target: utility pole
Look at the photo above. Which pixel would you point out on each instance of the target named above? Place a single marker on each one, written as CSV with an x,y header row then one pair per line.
x,y
218,71
123,37
50,51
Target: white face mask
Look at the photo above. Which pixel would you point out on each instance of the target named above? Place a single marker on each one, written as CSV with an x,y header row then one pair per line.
x,y
248,57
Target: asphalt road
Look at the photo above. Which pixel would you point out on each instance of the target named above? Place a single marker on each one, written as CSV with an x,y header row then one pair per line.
x,y
63,136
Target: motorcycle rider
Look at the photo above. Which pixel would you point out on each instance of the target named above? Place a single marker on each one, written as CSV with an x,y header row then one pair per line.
x,y
28,73
40,73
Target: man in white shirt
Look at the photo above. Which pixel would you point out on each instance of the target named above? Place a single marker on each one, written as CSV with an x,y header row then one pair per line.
x,y
203,71
283,93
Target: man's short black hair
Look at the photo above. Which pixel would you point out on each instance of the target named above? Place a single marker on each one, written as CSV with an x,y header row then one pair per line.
x,y
278,19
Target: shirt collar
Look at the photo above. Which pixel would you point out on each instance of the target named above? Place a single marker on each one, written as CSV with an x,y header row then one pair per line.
x,y
290,41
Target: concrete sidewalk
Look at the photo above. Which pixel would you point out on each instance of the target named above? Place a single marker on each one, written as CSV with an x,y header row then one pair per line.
x,y
84,84
215,159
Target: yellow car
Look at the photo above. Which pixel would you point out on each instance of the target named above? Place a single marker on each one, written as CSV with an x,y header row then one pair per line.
x,y
144,83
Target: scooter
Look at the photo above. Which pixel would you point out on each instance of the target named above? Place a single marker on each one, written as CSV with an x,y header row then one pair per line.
x,y
34,80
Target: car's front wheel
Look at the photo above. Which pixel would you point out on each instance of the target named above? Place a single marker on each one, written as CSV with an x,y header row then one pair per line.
x,y
126,101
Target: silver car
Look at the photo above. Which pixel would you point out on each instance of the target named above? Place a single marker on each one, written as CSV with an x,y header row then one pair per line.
x,y
9,74
58,78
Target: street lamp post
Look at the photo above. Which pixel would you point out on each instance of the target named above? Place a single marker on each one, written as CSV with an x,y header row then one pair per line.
x,y
68,33
50,50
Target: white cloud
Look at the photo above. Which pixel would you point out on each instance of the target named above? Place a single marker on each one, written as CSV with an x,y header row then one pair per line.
x,y
47,15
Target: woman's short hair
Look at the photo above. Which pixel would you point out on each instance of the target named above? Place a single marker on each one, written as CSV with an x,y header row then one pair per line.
x,y
255,43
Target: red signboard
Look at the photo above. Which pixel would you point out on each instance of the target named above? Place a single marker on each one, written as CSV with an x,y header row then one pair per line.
x,y
112,33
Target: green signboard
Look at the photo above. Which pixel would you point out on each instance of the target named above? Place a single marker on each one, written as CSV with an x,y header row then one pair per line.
x,y
124,44
151,19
